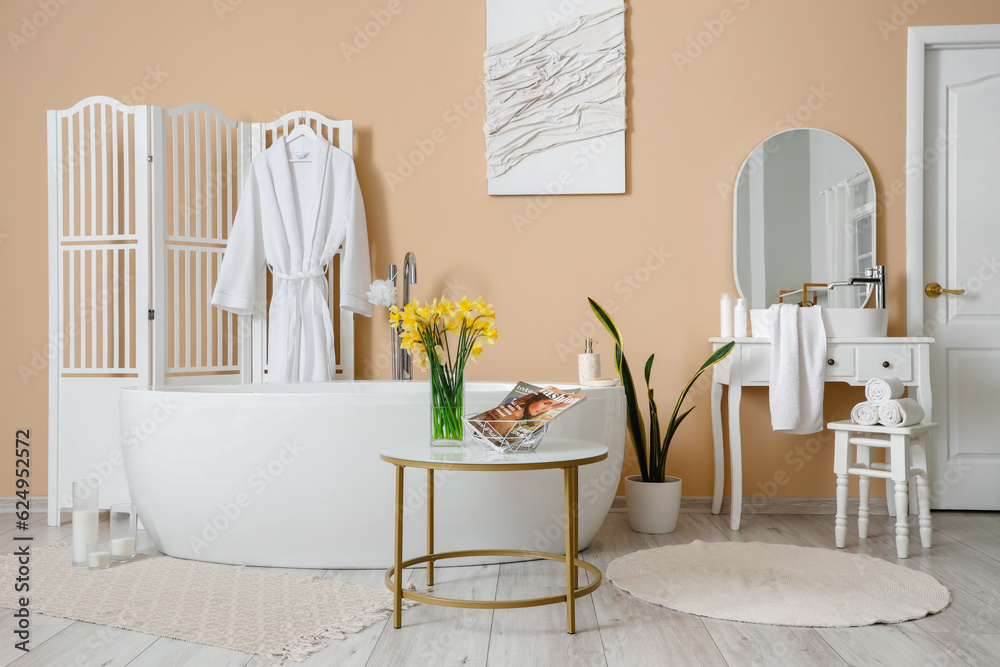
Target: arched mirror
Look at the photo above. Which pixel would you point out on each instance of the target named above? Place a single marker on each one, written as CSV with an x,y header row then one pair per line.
x,y
803,215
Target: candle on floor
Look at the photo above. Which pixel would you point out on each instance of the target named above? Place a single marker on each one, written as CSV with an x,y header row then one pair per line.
x,y
123,548
98,556
85,518
122,518
84,532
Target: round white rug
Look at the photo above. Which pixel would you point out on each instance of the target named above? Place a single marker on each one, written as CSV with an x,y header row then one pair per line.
x,y
778,584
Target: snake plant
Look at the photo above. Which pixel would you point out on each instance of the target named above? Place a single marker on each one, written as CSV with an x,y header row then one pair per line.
x,y
652,465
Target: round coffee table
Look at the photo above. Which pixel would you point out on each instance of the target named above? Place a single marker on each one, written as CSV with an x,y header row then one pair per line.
x,y
566,453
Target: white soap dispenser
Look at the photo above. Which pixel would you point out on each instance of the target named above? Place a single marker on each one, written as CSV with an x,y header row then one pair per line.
x,y
740,315
590,363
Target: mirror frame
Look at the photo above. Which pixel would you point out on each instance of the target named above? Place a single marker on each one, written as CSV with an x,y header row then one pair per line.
x,y
736,185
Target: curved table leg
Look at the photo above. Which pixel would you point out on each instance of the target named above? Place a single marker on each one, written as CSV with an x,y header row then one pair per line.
x,y
720,456
735,443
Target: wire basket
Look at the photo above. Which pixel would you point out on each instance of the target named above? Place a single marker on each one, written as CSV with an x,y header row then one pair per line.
x,y
496,435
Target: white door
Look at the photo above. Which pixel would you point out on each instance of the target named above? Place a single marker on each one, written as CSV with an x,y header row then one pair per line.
x,y
953,229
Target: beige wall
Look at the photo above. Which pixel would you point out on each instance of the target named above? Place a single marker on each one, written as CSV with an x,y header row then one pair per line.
x,y
839,66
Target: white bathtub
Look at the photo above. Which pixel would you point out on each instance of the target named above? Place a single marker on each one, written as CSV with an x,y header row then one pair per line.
x,y
290,475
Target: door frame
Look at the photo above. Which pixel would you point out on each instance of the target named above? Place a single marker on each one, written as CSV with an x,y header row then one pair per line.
x,y
920,40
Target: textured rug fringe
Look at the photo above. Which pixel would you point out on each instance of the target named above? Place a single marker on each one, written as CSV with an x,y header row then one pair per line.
x,y
303,648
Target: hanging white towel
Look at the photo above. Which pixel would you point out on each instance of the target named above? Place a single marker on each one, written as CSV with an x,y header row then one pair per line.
x,y
865,413
798,354
900,412
880,390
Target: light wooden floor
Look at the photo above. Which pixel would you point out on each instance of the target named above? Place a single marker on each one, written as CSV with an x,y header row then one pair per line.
x,y
612,627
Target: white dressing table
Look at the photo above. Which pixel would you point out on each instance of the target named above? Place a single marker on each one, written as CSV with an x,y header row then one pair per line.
x,y
850,360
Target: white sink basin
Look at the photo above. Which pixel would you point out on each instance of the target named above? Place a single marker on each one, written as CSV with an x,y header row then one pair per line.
x,y
856,322
839,322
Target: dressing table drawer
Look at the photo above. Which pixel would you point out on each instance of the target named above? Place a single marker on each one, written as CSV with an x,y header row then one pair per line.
x,y
757,364
839,362
885,360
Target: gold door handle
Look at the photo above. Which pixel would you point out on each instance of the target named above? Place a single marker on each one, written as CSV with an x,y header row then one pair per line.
x,y
935,290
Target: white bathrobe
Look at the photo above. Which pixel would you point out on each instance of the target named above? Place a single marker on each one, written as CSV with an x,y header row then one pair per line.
x,y
293,215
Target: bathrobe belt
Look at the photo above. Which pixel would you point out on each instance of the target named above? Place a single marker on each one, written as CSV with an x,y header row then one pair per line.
x,y
301,275
299,282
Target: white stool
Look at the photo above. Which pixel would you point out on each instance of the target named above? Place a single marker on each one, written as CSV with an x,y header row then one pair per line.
x,y
907,459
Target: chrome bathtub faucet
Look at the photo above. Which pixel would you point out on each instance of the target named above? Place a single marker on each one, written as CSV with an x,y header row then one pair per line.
x,y
409,278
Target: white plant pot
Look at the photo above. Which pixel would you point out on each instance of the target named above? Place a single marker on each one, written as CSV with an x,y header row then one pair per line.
x,y
653,506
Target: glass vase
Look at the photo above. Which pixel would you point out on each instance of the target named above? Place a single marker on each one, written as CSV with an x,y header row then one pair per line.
x,y
447,406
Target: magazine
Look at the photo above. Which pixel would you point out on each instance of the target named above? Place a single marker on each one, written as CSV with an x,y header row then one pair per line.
x,y
519,390
525,411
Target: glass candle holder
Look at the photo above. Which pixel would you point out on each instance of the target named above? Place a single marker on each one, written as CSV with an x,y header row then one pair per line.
x,y
85,518
123,532
98,555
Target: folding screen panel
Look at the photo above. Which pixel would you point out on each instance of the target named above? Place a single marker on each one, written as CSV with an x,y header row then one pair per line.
x,y
200,161
98,247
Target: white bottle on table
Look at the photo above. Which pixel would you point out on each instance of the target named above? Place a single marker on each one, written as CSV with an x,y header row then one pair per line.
x,y
590,363
740,316
727,315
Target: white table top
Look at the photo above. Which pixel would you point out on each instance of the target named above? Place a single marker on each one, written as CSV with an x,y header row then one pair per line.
x,y
551,453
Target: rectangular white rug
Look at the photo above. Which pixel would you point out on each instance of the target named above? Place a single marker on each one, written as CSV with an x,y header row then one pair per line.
x,y
248,609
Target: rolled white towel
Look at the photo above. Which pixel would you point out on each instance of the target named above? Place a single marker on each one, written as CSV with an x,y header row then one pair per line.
x,y
880,390
900,412
865,413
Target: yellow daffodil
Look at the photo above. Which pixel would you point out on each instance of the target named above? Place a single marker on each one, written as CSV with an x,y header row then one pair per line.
x,y
442,356
472,323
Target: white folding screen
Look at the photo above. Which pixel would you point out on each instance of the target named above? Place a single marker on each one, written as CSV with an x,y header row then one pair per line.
x,y
141,200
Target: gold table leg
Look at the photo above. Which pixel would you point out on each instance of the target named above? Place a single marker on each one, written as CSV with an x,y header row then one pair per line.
x,y
430,525
570,487
397,611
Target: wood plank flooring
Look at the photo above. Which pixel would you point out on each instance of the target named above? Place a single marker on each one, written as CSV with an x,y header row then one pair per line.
x,y
613,628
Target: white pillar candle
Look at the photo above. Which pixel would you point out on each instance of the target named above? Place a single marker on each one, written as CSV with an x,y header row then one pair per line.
x,y
99,559
84,532
123,547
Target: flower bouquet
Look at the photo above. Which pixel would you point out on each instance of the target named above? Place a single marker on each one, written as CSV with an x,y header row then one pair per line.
x,y
441,336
